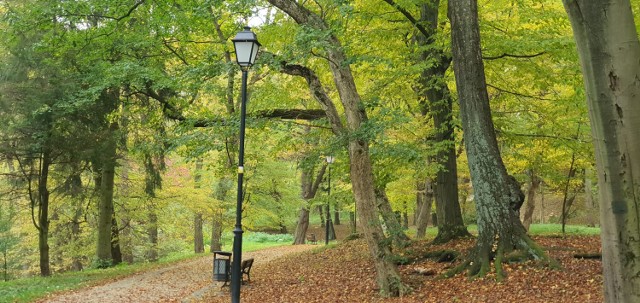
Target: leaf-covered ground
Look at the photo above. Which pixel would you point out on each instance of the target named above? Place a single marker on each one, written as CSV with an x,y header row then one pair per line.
x,y
346,274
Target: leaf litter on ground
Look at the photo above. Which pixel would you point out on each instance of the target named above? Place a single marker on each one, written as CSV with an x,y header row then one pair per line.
x,y
345,273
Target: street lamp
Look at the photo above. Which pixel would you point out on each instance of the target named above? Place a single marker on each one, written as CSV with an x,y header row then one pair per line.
x,y
246,46
329,225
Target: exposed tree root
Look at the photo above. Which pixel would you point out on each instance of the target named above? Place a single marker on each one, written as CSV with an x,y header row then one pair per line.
x,y
478,262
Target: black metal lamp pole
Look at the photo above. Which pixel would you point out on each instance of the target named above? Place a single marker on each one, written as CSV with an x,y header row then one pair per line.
x,y
246,47
330,160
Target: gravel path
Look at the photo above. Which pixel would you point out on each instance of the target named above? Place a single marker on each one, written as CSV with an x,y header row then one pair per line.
x,y
176,283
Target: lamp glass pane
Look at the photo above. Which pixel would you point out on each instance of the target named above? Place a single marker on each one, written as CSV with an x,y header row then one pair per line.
x,y
254,55
243,52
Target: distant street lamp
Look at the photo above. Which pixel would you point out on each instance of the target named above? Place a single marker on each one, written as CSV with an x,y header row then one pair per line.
x,y
329,225
246,46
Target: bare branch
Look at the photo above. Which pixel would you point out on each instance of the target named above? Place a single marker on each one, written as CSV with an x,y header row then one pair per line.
x,y
514,56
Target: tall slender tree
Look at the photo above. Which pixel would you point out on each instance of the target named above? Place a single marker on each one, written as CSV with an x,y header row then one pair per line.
x,y
361,170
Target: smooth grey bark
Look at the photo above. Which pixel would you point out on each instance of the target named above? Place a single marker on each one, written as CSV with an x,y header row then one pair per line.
x,y
609,50
498,223
361,172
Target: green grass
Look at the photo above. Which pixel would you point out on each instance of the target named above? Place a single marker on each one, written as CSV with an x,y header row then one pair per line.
x,y
30,289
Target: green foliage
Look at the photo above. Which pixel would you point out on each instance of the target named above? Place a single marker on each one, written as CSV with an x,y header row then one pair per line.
x,y
260,237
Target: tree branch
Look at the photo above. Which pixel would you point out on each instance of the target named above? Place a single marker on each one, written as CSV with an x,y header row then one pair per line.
x,y
513,56
410,17
518,94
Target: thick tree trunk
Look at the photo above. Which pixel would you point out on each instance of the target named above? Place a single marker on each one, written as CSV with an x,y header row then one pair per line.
x,y
301,227
438,104
498,223
105,206
530,206
336,216
609,50
109,100
425,194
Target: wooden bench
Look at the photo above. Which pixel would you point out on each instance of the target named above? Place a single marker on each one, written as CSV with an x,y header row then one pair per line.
x,y
311,238
245,269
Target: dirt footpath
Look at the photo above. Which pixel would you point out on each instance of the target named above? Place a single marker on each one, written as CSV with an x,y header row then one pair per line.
x,y
175,283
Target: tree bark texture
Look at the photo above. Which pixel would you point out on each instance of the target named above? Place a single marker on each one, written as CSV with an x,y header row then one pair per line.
x,y
109,100
437,103
609,50
498,224
387,276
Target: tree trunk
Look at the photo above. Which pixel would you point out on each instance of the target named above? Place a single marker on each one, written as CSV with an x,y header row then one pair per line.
x,y
152,233
361,172
125,235
352,222
391,221
301,227
336,216
217,222
216,232
438,104
309,188
116,253
589,205
43,214
609,50
425,194
498,223
198,236
109,99
534,184
321,213
565,201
